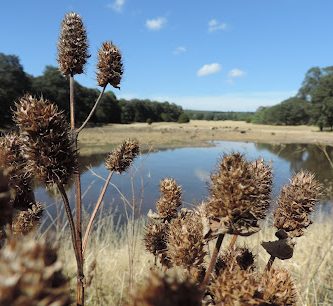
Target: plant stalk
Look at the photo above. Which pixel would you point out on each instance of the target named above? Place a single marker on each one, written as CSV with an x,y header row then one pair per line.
x,y
212,262
78,205
233,241
93,215
91,112
270,263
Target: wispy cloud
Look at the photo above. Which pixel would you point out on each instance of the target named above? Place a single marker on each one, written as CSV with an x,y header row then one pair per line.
x,y
156,24
215,25
236,73
117,5
209,69
179,50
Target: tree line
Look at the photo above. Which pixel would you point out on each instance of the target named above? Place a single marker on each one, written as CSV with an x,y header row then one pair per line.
x,y
313,104
15,82
214,115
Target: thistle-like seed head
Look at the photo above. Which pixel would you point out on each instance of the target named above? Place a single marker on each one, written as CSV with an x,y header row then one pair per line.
x,y
239,194
234,287
25,221
238,258
12,159
72,45
110,66
296,202
47,143
170,198
155,237
121,158
186,246
278,288
164,290
31,274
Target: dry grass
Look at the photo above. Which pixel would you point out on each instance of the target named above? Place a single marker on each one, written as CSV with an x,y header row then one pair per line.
x,y
311,266
196,133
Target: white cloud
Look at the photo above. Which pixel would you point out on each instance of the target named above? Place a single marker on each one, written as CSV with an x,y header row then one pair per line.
x,y
179,50
209,69
117,5
156,23
236,73
215,25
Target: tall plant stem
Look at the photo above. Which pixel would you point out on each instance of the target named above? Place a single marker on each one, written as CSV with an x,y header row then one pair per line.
x,y
270,263
212,262
92,111
233,241
93,215
78,205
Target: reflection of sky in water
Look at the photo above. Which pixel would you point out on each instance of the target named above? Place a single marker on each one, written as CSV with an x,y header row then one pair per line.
x,y
191,167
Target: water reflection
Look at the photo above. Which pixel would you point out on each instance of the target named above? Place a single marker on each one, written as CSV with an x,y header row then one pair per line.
x,y
191,167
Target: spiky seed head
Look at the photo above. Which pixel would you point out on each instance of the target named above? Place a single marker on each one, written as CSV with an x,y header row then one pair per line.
x,y
234,287
277,288
165,290
25,221
11,157
120,159
47,143
239,194
31,274
110,66
170,198
186,246
72,45
6,196
155,238
295,203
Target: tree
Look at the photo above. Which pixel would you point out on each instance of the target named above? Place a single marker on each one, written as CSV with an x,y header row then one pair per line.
x,y
14,82
183,118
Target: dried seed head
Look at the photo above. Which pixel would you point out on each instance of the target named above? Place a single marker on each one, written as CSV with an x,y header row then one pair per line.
x,y
186,246
11,157
121,158
170,198
239,194
239,258
31,274
164,290
277,288
155,237
6,196
110,66
25,221
234,287
47,143
72,45
296,202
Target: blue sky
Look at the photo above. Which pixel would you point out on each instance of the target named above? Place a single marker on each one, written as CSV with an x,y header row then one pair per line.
x,y
209,55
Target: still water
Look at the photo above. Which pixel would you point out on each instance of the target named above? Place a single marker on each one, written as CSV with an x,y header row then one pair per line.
x,y
191,167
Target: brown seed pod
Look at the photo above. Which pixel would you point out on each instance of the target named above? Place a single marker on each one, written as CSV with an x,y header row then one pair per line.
x,y
155,238
277,288
31,274
234,287
296,202
47,143
122,157
25,221
110,66
164,290
170,198
12,159
186,246
239,195
72,45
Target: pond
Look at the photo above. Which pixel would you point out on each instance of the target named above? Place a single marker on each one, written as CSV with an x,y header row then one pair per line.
x,y
191,167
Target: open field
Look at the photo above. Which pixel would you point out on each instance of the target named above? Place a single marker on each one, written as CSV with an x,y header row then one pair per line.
x,y
196,133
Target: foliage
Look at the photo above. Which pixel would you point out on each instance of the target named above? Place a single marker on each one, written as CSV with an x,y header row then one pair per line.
x,y
183,118
212,115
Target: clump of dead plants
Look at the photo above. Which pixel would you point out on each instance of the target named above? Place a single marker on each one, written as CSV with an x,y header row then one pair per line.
x,y
45,149
239,199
